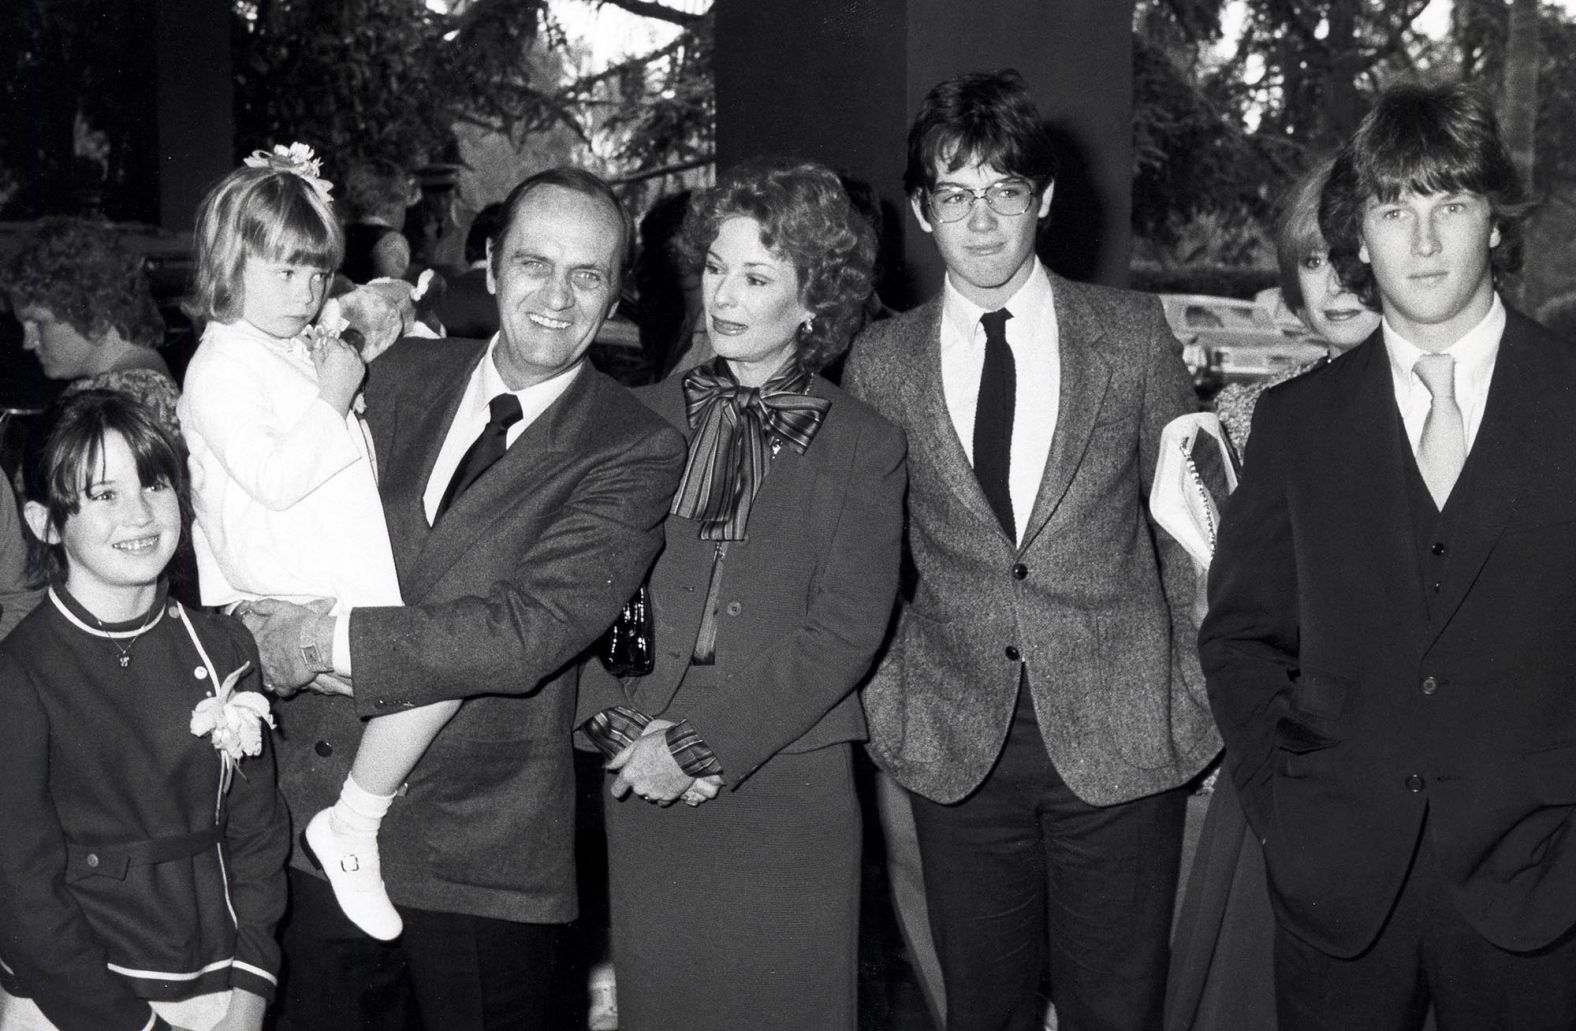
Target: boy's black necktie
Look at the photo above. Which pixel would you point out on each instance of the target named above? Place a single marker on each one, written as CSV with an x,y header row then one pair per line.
x,y
993,419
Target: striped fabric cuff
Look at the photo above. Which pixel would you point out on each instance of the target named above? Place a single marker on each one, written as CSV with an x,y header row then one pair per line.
x,y
613,730
693,755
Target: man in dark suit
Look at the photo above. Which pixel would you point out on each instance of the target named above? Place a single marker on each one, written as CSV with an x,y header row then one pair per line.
x,y
467,308
1393,610
506,581
1041,698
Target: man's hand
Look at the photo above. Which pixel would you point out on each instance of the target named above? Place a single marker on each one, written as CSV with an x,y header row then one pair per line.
x,y
648,768
331,684
277,626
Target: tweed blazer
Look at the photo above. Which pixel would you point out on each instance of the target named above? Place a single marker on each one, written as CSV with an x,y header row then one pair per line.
x,y
1096,602
527,568
1357,693
804,600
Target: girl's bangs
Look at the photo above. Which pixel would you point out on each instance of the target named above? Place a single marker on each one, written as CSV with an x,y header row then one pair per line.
x,y
294,244
298,233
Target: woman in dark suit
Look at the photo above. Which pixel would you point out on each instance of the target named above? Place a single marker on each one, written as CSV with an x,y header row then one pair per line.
x,y
740,908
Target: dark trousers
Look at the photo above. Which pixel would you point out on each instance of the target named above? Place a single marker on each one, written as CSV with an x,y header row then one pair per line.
x,y
447,972
1425,953
1023,871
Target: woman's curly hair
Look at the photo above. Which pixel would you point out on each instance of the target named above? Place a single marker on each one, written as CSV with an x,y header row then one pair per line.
x,y
83,274
805,216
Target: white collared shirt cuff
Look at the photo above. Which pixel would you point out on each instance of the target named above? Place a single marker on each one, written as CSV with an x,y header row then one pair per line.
x,y
341,655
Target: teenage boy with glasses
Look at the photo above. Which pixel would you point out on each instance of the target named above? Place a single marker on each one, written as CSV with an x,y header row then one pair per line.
x,y
1041,700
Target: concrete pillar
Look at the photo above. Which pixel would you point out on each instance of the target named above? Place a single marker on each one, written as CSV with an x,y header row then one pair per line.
x,y
195,95
839,81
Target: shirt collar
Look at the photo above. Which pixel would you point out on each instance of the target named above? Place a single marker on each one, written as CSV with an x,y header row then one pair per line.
x,y
1034,303
487,383
292,347
1474,352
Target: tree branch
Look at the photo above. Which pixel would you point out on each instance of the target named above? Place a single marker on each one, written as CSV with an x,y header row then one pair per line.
x,y
653,173
652,9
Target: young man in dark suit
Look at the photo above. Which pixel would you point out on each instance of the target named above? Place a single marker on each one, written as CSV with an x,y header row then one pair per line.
x,y
1041,698
1392,612
509,571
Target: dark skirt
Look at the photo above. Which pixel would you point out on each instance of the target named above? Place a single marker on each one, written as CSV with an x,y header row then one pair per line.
x,y
1223,949
742,912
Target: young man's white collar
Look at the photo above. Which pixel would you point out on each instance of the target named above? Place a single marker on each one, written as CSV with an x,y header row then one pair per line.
x,y
1475,354
1031,302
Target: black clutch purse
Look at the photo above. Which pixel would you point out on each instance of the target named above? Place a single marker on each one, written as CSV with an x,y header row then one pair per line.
x,y
627,649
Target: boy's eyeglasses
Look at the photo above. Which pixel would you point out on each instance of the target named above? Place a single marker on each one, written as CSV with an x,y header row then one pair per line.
x,y
1008,197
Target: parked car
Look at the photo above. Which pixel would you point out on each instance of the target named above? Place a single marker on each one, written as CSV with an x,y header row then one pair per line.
x,y
1226,340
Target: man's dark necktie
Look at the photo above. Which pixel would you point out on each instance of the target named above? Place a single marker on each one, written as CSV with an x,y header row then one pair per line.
x,y
993,418
486,449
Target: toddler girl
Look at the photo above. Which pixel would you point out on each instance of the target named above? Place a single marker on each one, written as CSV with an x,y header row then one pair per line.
x,y
140,879
283,477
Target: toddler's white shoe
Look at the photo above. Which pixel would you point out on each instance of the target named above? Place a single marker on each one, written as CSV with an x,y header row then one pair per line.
x,y
355,874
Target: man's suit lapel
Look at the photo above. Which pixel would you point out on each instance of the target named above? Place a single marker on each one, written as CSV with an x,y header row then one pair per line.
x,y
1085,375
934,431
1496,469
497,494
1365,454
421,424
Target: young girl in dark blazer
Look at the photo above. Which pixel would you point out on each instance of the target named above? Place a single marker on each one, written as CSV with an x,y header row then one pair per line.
x,y
142,840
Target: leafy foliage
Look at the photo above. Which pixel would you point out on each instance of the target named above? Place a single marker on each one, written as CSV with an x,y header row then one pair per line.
x,y
393,78
1192,161
380,78
661,107
1480,30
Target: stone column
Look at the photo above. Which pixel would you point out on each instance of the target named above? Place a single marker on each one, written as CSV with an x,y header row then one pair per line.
x,y
195,97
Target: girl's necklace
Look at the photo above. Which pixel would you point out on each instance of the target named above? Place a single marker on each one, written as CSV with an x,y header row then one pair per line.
x,y
125,650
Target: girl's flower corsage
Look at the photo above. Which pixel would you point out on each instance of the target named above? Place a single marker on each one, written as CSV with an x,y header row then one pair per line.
x,y
233,720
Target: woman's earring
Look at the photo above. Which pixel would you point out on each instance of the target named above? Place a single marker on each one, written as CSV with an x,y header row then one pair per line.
x,y
807,325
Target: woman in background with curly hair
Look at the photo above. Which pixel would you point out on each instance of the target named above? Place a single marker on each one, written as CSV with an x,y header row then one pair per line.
x,y
86,311
739,909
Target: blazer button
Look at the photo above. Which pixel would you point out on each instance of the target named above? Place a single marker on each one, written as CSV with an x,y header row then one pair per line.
x,y
1438,548
1414,783
1020,572
93,860
323,748
1430,685
734,608
1013,655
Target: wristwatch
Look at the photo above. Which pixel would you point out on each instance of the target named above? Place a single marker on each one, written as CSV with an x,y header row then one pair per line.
x,y
312,646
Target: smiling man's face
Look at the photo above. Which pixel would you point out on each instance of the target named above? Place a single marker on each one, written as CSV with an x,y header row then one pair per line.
x,y
555,274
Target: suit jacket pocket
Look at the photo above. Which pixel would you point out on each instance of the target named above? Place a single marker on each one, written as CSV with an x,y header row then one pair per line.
x,y
1298,738
1318,694
931,668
